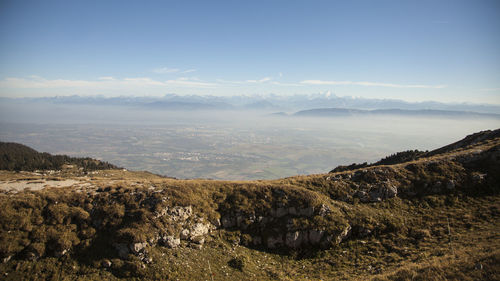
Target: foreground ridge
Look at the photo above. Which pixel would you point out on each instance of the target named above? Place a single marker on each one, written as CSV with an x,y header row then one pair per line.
x,y
432,216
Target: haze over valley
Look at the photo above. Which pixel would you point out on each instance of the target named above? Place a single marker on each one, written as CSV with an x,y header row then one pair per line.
x,y
225,144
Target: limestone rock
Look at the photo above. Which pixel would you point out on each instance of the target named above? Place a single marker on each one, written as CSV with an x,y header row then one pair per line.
x,y
137,248
198,240
344,234
181,213
199,229
171,241
184,235
323,210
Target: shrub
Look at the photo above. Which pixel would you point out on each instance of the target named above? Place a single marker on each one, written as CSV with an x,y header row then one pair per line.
x,y
237,263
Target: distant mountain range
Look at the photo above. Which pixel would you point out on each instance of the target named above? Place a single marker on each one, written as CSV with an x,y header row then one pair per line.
x,y
336,112
270,102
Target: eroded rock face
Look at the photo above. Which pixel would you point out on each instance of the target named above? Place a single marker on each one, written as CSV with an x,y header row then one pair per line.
x,y
273,242
307,212
180,213
315,236
378,193
296,239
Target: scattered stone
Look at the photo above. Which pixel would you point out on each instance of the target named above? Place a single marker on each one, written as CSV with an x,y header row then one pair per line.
x,y
106,263
344,234
60,253
184,235
479,178
6,259
198,240
181,213
324,210
137,248
216,223
161,213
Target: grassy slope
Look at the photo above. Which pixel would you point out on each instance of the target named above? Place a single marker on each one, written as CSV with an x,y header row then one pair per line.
x,y
422,234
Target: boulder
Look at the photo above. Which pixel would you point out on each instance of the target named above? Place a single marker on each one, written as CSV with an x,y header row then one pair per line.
x,y
137,248
199,229
171,241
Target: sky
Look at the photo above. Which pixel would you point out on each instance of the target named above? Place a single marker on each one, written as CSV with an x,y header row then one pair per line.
x,y
445,51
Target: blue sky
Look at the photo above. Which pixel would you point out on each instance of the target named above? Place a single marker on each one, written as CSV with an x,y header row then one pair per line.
x,y
411,50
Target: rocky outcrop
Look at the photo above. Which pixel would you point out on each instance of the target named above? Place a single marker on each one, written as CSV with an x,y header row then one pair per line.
x,y
377,193
171,241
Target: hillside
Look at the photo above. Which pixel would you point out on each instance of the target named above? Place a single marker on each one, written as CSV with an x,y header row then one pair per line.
x,y
18,157
434,216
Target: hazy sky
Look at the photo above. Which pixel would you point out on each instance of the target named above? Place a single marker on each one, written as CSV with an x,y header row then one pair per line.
x,y
410,50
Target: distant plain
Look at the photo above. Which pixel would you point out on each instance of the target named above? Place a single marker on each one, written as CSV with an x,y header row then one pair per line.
x,y
230,145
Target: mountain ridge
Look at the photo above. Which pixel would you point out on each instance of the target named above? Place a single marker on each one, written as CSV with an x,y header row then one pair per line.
x,y
258,102
430,218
